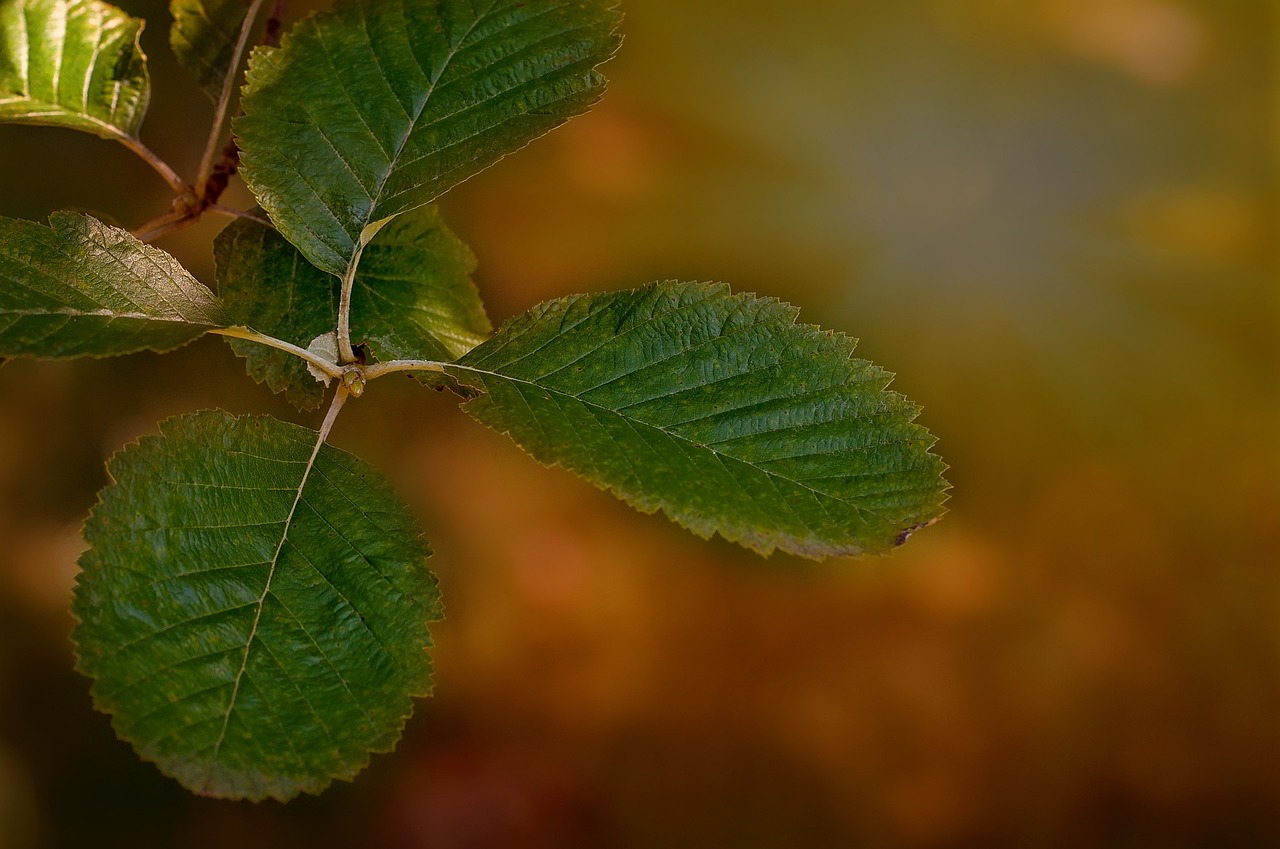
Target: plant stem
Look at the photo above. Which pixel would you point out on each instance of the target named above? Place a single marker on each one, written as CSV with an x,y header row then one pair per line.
x,y
163,225
321,364
339,398
395,366
275,25
232,212
335,406
347,354
161,167
224,98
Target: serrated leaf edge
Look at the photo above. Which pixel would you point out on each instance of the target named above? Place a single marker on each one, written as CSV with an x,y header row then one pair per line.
x,y
311,789
760,543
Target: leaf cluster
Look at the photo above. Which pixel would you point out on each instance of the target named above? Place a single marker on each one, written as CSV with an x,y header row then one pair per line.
x,y
253,605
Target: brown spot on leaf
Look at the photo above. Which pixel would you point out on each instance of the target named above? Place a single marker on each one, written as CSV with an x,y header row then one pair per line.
x,y
906,533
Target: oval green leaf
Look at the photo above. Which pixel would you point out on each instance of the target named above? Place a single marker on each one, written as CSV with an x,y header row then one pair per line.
x,y
380,106
719,410
253,614
72,63
83,288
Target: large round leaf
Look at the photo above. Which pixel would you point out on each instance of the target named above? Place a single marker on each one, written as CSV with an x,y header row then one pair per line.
x,y
253,614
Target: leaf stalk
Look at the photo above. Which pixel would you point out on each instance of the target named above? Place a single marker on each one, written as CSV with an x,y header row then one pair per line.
x,y
157,164
346,353
170,222
329,369
339,398
377,370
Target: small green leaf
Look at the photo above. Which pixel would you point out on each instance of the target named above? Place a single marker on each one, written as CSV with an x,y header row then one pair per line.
x,y
717,409
413,298
72,63
80,287
267,285
380,106
253,615
204,36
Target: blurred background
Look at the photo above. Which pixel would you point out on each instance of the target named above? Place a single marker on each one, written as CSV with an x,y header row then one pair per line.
x,y
1056,220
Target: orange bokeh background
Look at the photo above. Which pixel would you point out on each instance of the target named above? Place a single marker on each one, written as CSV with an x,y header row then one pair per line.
x,y
1056,220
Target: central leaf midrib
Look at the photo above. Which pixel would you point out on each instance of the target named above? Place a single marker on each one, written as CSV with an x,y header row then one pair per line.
x,y
393,161
721,456
413,123
54,109
667,430
262,600
104,312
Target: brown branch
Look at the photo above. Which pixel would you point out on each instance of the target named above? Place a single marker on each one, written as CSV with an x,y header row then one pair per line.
x,y
187,208
171,222
275,25
221,174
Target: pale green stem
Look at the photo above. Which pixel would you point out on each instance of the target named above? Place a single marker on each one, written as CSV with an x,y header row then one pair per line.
x,y
396,366
346,353
323,365
339,398
213,145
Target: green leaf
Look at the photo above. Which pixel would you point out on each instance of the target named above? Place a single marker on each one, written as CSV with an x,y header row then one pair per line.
x,y
717,409
80,287
253,615
72,63
413,298
268,286
380,106
204,36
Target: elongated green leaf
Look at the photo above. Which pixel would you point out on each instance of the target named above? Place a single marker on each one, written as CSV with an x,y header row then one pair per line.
x,y
254,620
413,298
203,38
72,63
382,105
80,287
717,409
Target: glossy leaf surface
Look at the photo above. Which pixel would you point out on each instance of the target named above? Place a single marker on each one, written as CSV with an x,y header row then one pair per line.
x,y
80,287
719,410
380,106
203,38
72,63
254,620
413,298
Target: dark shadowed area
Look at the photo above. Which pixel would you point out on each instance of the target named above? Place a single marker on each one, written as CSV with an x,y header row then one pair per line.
x,y
1056,220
